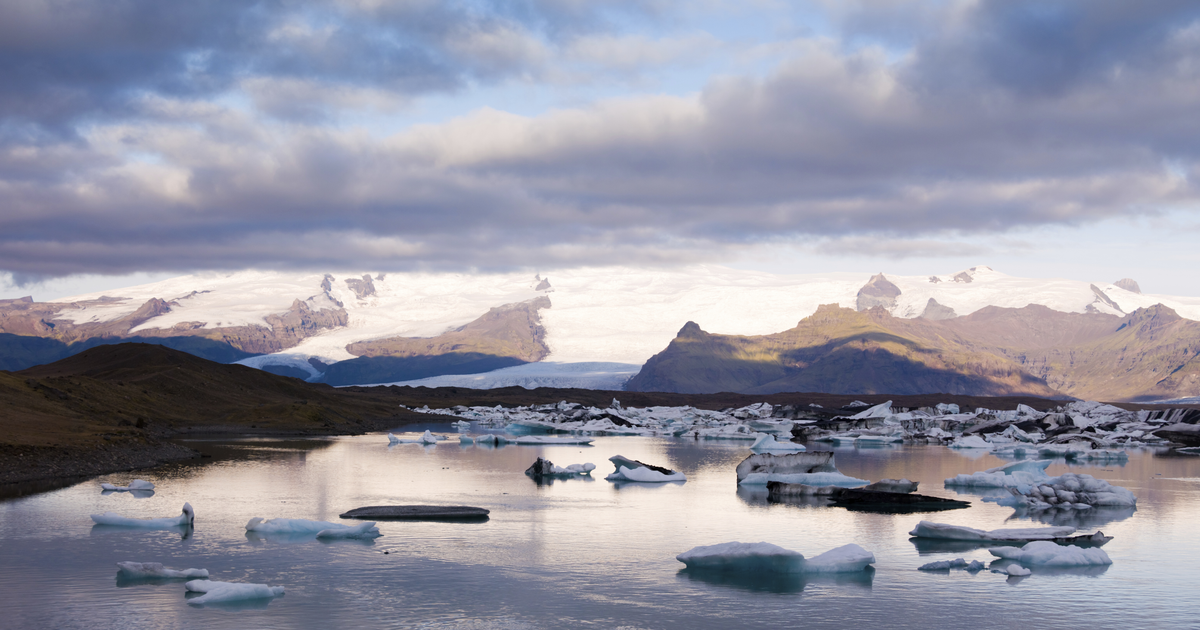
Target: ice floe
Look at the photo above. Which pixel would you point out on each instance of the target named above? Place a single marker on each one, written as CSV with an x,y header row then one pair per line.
x,y
221,592
136,484
149,570
763,556
973,566
942,531
186,519
633,470
1042,553
300,526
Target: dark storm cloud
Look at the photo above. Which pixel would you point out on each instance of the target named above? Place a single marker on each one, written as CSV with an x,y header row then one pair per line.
x,y
997,115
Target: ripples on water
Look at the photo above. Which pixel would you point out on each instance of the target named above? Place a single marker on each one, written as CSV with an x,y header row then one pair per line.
x,y
576,552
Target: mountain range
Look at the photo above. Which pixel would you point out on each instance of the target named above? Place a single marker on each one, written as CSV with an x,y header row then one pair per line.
x,y
597,327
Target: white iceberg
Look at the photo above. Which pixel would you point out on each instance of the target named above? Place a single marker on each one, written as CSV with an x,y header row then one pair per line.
x,y
970,441
767,443
186,519
1043,553
1017,474
426,438
881,410
136,484
643,474
942,531
762,556
157,570
220,592
300,526
808,479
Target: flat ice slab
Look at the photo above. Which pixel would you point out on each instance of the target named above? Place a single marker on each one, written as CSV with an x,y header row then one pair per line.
x,y
762,556
1047,554
418,512
808,479
942,531
186,519
220,592
157,570
300,526
136,484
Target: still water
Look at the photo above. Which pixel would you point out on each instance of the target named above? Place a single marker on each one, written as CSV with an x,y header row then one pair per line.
x,y
574,553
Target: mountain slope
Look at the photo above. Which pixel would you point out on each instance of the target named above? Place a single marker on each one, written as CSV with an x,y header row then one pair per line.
x,y
1149,354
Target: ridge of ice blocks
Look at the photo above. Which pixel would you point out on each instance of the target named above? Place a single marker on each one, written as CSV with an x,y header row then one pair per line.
x,y
974,566
762,556
157,570
186,519
136,484
942,531
300,526
426,438
766,442
633,470
1069,491
1041,553
220,592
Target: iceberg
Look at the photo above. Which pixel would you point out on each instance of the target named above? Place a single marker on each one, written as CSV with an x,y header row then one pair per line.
x,y
766,557
787,463
186,519
546,468
808,479
644,475
145,570
300,526
881,410
767,442
136,484
220,592
974,566
942,531
1041,553
970,441
1015,475
1068,491
426,438
1016,570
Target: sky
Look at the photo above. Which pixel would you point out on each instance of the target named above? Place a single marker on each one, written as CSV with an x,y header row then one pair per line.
x,y
142,139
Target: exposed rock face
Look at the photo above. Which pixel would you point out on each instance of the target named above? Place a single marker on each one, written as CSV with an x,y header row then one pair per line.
x,y
994,351
327,283
963,277
936,311
362,288
878,291
543,285
934,279
1129,284
1103,298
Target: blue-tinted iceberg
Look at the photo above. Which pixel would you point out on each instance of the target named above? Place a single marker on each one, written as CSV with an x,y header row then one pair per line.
x,y
221,592
186,519
762,556
1043,553
144,570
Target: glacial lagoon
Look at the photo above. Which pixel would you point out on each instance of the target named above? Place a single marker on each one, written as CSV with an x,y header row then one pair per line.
x,y
580,552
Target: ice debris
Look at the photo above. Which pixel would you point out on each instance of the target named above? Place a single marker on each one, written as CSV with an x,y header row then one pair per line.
x,y
766,557
186,519
220,592
157,570
136,484
974,566
633,470
1043,553
300,526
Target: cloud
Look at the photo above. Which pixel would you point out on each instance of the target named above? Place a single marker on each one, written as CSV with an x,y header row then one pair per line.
x,y
841,143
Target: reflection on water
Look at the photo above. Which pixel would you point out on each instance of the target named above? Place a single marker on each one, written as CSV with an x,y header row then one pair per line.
x,y
574,552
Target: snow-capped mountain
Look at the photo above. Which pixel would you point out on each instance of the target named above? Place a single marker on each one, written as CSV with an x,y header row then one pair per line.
x,y
614,315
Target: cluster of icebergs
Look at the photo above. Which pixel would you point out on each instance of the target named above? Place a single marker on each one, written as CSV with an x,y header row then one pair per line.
x,y
214,592
1075,431
1030,487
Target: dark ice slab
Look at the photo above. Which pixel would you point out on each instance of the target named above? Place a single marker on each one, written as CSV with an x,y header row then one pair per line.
x,y
419,513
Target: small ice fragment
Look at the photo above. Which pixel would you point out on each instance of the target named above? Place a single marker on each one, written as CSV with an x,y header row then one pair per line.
x,y
157,570
218,592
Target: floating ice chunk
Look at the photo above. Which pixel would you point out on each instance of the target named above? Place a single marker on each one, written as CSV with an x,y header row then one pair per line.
x,y
1043,553
765,557
361,531
1017,570
466,439
136,484
942,531
893,485
644,475
1069,491
157,570
974,566
186,519
426,438
219,592
970,441
1015,475
546,468
881,410
766,442
300,526
808,479
788,463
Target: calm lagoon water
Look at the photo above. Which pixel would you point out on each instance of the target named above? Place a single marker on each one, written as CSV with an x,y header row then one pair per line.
x,y
574,553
